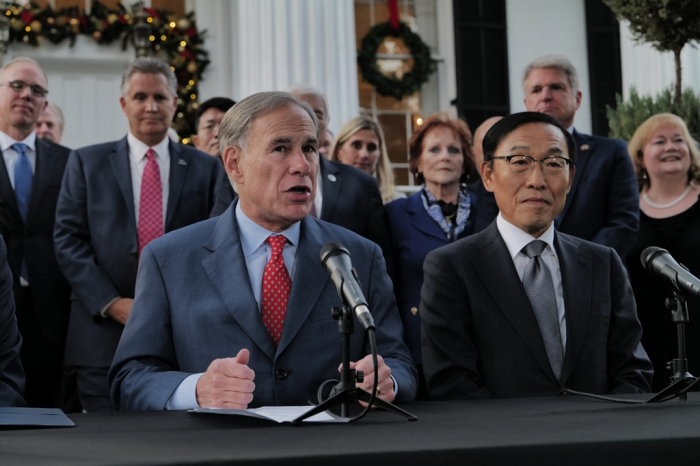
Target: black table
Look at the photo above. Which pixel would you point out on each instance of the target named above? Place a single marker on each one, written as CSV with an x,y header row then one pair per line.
x,y
537,431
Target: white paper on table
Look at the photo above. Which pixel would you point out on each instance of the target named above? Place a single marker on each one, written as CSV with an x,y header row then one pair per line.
x,y
280,414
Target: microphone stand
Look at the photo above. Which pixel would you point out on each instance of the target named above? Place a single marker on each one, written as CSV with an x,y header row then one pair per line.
x,y
682,379
345,391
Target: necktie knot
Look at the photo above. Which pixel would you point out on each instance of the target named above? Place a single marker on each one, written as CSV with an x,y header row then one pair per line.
x,y
277,243
534,248
150,155
21,148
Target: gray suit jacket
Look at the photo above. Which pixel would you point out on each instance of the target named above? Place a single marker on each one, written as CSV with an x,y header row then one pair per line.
x,y
480,334
97,239
194,303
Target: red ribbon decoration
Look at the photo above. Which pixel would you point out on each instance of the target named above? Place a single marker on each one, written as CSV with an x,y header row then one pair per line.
x,y
394,14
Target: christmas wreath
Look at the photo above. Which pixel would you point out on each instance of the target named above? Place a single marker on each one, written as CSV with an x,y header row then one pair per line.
x,y
175,40
392,86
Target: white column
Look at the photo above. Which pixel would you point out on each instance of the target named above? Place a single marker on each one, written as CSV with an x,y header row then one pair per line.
x,y
651,71
539,27
265,45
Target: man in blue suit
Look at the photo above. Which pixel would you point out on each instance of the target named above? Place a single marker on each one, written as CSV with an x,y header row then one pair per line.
x,y
115,198
603,204
203,332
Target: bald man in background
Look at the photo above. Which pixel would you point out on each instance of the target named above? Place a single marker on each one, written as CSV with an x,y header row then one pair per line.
x,y
488,209
49,126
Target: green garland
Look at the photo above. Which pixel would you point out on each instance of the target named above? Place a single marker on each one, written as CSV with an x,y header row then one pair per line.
x,y
175,40
390,86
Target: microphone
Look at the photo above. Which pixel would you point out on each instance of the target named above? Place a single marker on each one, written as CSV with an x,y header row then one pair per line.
x,y
336,261
659,262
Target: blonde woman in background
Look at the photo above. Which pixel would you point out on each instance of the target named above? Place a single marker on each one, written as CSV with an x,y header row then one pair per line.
x,y
667,161
360,143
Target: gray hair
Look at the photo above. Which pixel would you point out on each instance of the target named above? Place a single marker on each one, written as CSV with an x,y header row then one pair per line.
x,y
556,61
59,114
304,89
16,60
236,124
149,65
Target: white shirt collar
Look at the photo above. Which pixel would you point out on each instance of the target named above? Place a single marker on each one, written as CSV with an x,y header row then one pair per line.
x,y
516,239
6,141
137,149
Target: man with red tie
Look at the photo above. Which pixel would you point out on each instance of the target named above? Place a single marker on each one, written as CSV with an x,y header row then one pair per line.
x,y
236,311
116,198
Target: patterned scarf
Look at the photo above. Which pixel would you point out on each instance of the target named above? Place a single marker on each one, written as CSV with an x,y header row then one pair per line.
x,y
438,210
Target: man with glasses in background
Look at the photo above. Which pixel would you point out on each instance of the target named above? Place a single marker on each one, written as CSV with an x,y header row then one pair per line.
x,y
521,309
30,180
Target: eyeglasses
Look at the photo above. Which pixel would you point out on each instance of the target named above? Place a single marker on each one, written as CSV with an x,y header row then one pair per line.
x,y
523,164
36,90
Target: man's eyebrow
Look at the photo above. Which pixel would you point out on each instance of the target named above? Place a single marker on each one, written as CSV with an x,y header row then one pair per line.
x,y
555,150
311,139
281,140
514,148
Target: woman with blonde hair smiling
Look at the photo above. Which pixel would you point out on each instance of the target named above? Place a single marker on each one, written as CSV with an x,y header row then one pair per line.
x,y
360,143
667,161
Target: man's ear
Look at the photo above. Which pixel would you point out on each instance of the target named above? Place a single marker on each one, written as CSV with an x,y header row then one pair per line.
x,y
195,141
486,175
122,102
231,156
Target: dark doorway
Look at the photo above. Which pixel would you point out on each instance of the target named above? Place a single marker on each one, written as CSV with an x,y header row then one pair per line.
x,y
604,63
481,51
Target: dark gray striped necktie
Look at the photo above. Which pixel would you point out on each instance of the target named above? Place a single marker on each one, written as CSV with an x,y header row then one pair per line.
x,y
537,281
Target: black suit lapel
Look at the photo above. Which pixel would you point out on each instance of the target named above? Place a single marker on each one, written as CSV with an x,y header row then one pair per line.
x,y
331,180
505,287
577,281
9,200
119,160
584,150
42,176
179,164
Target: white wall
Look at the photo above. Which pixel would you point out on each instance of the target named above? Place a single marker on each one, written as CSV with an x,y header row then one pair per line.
x,y
265,45
538,27
84,81
652,71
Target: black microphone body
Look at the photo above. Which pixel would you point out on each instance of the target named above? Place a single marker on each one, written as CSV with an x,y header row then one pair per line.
x,y
336,261
659,262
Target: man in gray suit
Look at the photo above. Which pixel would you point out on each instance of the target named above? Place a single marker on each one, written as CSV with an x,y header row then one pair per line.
x,y
115,198
520,309
236,311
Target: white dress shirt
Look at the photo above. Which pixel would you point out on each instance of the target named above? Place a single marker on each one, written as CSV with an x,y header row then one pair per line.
x,y
516,239
11,156
137,163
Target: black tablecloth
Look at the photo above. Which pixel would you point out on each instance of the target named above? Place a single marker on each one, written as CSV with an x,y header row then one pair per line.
x,y
537,431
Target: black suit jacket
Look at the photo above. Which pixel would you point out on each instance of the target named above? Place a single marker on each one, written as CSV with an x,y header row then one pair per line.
x,y
11,373
480,334
97,238
352,200
603,203
33,241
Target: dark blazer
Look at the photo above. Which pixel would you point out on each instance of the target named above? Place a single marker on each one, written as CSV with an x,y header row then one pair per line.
x,y
97,240
352,200
11,373
202,268
481,338
603,204
413,235
33,241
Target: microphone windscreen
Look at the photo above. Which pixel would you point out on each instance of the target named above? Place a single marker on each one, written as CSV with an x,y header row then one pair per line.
x,y
649,254
331,249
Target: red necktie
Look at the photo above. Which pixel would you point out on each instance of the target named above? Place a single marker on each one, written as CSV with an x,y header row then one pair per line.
x,y
151,203
276,286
